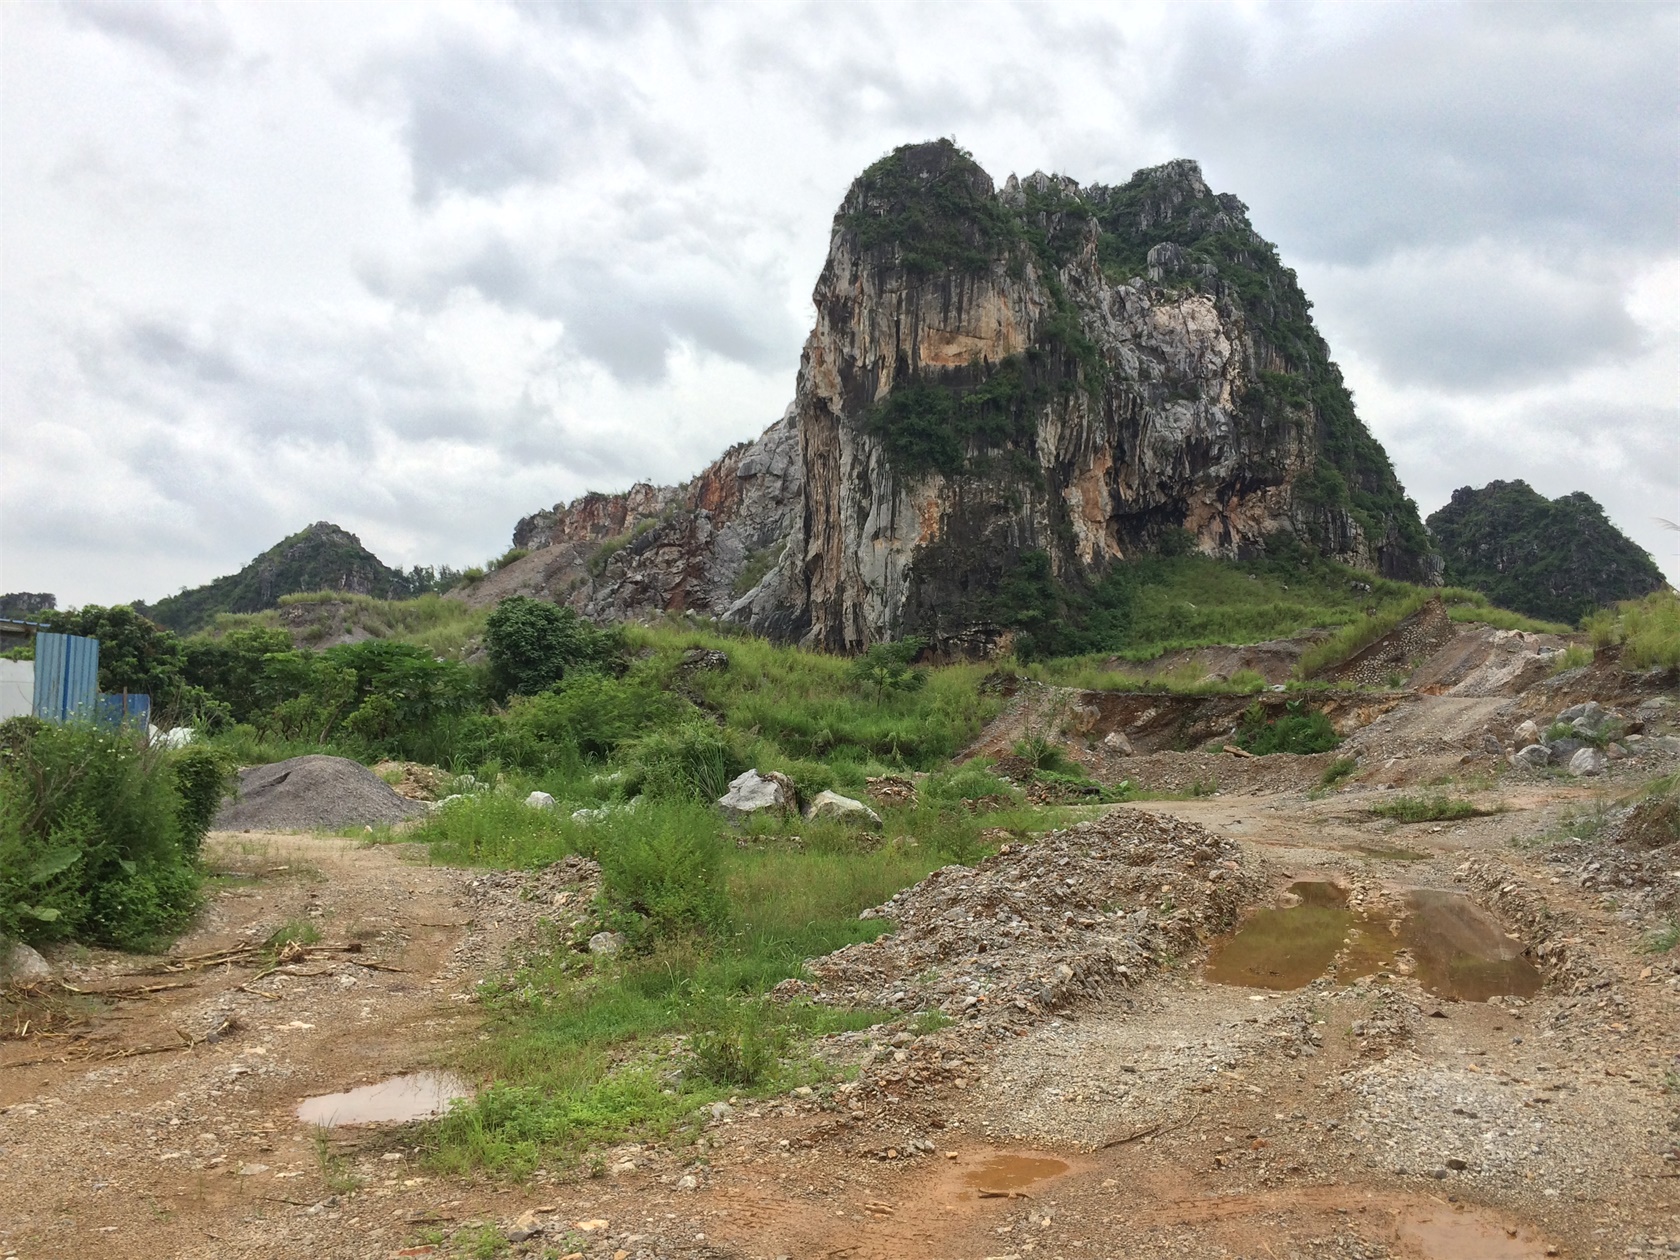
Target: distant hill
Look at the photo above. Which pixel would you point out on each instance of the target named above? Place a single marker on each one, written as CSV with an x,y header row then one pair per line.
x,y
1557,559
320,558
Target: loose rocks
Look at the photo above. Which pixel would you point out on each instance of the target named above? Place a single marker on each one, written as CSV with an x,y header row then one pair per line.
x,y
302,793
1036,927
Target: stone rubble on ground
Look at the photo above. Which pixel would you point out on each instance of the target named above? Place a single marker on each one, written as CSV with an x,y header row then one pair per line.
x,y
1035,927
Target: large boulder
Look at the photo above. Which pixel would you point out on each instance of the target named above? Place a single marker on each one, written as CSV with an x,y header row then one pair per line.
x,y
1588,760
831,805
1534,757
19,964
1526,733
539,800
754,793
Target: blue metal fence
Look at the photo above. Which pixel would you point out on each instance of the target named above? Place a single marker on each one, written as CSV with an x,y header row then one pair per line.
x,y
124,708
66,677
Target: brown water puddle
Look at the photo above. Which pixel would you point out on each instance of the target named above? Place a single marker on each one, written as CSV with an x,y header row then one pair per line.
x,y
417,1096
1441,1232
1011,1174
1458,949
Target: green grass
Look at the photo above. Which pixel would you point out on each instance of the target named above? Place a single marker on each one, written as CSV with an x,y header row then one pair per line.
x,y
1338,770
447,627
1418,809
1646,630
584,1051
1663,939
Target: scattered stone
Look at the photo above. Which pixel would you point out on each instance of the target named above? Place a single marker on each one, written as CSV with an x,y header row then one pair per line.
x,y
842,809
539,800
252,1170
688,1181
1587,761
892,789
1118,744
529,1225
1534,757
606,944
702,660
1526,733
23,965
754,793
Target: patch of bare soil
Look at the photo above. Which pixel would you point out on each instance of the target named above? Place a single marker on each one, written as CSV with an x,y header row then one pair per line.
x,y
1072,1113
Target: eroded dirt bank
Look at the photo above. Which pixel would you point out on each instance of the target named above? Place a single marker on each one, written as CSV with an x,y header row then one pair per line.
x,y
1156,1114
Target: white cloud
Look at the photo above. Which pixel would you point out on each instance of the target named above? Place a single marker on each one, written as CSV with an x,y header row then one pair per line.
x,y
422,269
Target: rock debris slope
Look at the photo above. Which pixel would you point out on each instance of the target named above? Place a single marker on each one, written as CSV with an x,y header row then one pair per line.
x,y
1005,393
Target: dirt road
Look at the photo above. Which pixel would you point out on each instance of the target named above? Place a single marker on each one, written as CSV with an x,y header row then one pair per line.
x,y
1185,1118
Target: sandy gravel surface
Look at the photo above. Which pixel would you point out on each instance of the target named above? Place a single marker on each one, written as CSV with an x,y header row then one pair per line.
x,y
1167,1117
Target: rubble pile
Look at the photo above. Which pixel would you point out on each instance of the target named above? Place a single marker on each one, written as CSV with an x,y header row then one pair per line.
x,y
1044,925
1635,857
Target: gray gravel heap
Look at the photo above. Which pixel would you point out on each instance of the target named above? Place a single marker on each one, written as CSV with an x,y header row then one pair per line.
x,y
303,793
1039,926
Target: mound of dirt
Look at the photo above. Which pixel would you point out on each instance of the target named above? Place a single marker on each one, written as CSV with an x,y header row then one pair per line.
x,y
303,793
1044,925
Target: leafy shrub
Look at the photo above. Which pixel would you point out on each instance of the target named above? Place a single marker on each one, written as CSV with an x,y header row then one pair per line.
x,y
692,761
1297,730
97,840
1042,754
661,874
533,645
509,556
202,779
595,714
889,666
738,1042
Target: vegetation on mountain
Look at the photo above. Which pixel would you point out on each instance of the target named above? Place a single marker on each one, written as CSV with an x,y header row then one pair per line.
x,y
322,557
1553,558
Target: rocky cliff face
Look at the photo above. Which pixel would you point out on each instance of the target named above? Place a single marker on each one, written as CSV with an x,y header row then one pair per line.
x,y
1006,394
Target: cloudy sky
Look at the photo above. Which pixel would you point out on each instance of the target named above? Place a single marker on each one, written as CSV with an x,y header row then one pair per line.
x,y
421,270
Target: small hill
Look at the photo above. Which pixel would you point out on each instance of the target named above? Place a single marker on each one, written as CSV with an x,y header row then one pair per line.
x,y
320,558
1557,559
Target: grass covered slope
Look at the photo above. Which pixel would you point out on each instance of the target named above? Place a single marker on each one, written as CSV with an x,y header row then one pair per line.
x,y
1553,558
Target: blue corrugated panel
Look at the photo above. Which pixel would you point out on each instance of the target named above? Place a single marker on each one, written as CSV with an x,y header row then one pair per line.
x,y
66,677
132,710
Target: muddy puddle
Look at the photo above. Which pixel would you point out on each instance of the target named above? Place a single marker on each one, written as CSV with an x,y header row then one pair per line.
x,y
1444,1232
416,1096
1456,949
1013,1174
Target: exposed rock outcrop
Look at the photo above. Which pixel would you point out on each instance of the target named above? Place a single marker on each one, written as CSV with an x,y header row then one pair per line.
x,y
1005,394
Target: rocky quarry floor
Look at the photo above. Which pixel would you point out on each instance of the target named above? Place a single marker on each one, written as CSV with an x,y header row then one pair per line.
x,y
1253,1023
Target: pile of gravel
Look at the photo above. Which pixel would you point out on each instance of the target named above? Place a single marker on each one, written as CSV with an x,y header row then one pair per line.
x,y
304,793
1044,925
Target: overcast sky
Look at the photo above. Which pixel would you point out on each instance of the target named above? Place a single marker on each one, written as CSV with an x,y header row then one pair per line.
x,y
420,270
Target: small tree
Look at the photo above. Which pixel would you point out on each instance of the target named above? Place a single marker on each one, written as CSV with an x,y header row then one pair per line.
x,y
532,645
888,667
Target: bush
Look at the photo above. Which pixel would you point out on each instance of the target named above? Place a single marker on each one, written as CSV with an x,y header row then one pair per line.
x,y
968,782
1298,730
888,666
596,714
738,1043
694,761
661,874
98,834
533,645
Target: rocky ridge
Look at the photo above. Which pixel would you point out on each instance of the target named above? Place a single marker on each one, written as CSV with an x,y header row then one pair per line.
x,y
1006,393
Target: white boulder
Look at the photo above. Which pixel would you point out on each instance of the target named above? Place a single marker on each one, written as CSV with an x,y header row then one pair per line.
x,y
1587,761
842,809
19,964
539,800
754,793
